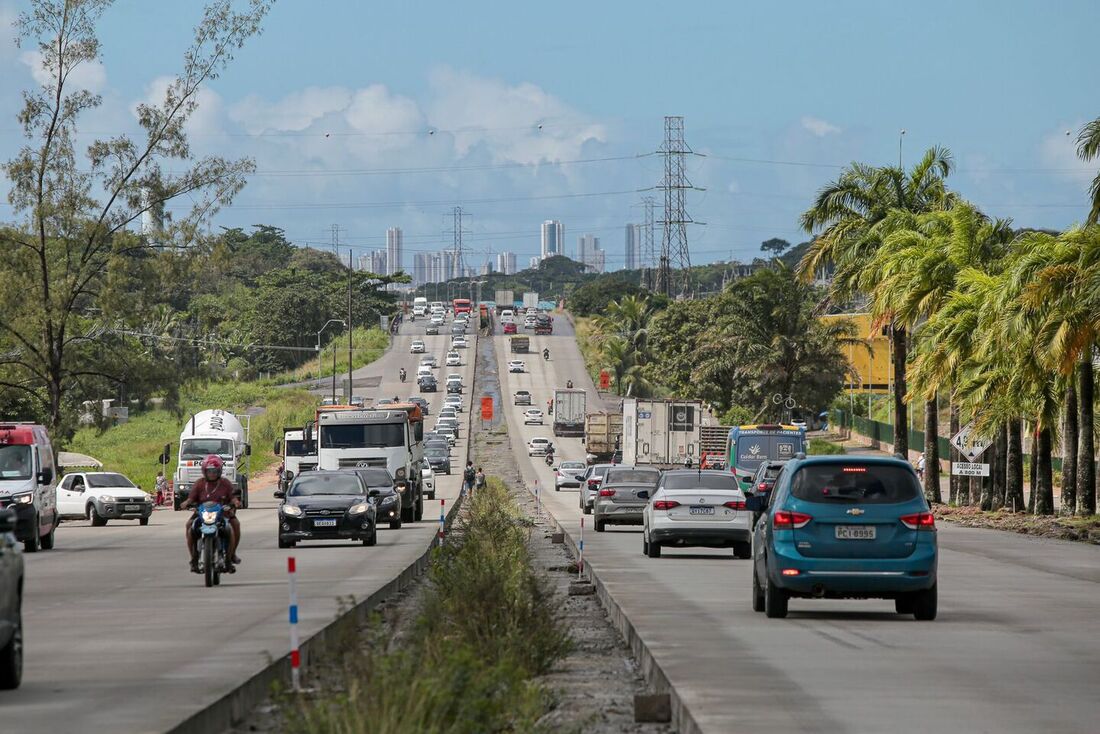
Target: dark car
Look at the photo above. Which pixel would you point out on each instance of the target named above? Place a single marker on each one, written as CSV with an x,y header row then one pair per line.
x,y
327,505
11,602
845,527
425,406
439,458
764,478
387,501
428,383
431,330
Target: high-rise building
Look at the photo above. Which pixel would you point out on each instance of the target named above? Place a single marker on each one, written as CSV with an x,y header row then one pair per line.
x,y
362,262
589,253
534,262
633,235
421,264
553,238
378,262
395,245
506,263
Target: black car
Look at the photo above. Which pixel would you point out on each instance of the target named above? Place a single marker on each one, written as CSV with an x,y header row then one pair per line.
x,y
428,383
439,458
11,601
387,502
327,505
425,406
431,330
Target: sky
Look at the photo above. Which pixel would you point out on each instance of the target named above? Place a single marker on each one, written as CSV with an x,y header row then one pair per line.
x,y
367,115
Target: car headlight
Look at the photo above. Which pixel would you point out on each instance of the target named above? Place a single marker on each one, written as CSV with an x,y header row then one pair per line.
x,y
106,498
292,510
359,509
400,474
400,487
209,518
23,499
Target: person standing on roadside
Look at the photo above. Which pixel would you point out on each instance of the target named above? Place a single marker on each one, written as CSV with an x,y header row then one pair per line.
x,y
469,476
479,478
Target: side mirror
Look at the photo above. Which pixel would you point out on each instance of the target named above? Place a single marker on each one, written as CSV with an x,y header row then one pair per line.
x,y
288,475
755,503
248,449
279,494
278,451
374,492
7,521
45,476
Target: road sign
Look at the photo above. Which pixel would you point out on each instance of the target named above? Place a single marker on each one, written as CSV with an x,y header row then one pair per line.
x,y
486,408
605,379
968,444
967,469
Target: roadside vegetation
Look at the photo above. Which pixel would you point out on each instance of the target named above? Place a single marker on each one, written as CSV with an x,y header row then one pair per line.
x,y
367,345
821,447
487,627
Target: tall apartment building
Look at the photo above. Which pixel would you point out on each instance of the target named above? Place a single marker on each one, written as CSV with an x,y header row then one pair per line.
x,y
589,253
506,263
633,241
553,238
395,246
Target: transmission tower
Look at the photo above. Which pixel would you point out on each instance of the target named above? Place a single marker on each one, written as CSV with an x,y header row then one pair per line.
x,y
336,240
649,256
456,237
674,240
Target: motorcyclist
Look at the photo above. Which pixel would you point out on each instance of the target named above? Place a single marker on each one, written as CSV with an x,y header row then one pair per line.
x,y
550,456
546,354
212,487
569,384
401,373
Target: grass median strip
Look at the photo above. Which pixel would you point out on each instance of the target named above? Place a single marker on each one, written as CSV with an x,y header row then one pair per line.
x,y
487,625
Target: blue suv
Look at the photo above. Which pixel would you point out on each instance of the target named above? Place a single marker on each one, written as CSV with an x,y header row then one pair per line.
x,y
845,527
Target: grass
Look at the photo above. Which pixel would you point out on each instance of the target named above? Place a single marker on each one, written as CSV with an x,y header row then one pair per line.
x,y
133,447
590,351
487,626
367,345
821,447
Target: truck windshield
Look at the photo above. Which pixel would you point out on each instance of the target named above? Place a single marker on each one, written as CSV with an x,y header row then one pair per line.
x,y
368,436
296,448
200,448
15,462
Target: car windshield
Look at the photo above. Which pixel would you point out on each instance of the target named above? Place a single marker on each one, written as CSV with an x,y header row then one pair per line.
x,y
632,476
436,452
15,462
108,480
375,476
700,480
878,484
572,465
295,447
315,484
200,448
371,435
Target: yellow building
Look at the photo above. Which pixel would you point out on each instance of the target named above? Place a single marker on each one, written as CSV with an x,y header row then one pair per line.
x,y
871,368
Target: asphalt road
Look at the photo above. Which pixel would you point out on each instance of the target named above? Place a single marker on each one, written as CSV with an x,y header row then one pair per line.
x,y
1014,648
120,637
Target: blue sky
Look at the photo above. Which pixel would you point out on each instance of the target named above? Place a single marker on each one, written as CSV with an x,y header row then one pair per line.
x,y
777,96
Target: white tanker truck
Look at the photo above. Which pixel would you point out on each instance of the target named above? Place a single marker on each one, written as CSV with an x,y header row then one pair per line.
x,y
213,432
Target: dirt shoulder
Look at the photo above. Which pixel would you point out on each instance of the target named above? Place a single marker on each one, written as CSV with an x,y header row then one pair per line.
x,y
1079,528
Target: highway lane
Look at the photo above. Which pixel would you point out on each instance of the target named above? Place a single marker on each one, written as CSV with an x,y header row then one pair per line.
x,y
1012,650
120,637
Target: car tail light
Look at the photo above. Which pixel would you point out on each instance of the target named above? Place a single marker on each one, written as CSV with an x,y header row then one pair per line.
x,y
735,504
790,572
665,504
919,521
788,519
593,483
607,493
763,486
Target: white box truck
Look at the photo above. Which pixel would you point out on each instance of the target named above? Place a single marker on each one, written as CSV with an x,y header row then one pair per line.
x,y
530,301
569,406
663,432
298,455
216,432
503,300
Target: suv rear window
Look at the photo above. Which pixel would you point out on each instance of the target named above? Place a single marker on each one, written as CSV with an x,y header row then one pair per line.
x,y
876,484
638,476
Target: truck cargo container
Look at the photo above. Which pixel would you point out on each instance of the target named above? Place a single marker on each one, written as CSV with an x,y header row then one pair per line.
x,y
603,433
504,299
569,416
530,300
663,432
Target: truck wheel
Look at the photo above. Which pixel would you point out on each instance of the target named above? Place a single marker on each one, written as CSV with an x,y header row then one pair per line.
x,y
175,502
47,540
30,545
11,657
244,493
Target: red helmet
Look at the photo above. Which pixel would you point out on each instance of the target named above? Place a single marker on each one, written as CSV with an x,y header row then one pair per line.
x,y
212,465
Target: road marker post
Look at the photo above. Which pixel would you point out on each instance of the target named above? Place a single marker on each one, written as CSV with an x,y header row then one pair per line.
x,y
580,558
295,654
442,519
538,501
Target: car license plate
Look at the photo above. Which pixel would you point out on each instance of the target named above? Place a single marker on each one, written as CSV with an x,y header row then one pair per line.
x,y
701,511
133,508
324,523
855,532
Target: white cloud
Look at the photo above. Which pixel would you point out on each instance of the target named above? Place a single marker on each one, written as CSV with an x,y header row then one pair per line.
x,y
206,120
90,75
818,127
293,113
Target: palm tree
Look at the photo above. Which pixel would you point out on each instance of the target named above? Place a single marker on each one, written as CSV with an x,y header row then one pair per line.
x,y
843,219
1088,148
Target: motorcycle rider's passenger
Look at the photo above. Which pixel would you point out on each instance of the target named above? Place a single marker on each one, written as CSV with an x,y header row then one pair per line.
x,y
213,487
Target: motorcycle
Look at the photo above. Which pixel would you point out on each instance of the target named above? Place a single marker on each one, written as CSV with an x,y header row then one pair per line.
x,y
402,374
550,459
546,354
568,384
213,541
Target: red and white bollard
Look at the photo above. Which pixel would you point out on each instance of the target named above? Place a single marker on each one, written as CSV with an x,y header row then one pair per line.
x,y
442,519
295,655
580,558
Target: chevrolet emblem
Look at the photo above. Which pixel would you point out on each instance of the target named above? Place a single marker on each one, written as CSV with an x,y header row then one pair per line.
x,y
855,511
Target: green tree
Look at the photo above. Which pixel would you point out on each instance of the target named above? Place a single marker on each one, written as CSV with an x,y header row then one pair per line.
x,y
1088,148
75,216
775,246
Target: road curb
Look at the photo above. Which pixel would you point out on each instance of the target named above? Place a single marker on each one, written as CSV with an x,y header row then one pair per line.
x,y
682,718
236,705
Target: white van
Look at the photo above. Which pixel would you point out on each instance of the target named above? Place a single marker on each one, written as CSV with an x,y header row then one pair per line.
x,y
420,306
27,483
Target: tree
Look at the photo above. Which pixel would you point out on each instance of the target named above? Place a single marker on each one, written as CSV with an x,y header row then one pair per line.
x,y
843,218
775,246
1088,148
76,215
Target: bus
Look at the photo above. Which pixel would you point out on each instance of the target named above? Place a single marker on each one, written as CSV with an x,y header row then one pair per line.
x,y
461,305
749,446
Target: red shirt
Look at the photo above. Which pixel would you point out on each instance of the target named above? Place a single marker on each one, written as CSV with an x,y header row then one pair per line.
x,y
205,491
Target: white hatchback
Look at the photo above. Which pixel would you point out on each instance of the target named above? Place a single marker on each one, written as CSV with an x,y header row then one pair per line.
x,y
453,401
539,446
417,347
532,416
453,360
697,508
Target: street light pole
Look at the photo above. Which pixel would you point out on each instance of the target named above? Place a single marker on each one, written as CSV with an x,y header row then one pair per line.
x,y
901,137
351,391
318,350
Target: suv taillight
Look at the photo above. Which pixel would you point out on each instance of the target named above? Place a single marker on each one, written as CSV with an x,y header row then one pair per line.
x,y
607,493
919,521
665,504
735,504
787,519
763,486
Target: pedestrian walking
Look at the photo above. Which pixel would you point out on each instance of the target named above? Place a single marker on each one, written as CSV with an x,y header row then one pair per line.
x,y
920,467
469,476
162,488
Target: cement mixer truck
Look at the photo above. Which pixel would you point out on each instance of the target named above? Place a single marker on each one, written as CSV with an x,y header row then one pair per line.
x,y
213,432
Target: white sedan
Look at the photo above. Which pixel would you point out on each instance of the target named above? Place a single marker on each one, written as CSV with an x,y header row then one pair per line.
x,y
427,477
459,342
453,360
697,508
417,347
539,446
532,416
454,401
517,365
